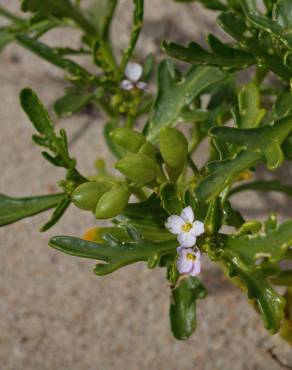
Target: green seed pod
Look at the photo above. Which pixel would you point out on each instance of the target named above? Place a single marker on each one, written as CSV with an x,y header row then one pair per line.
x,y
148,149
86,195
128,139
113,202
173,147
137,168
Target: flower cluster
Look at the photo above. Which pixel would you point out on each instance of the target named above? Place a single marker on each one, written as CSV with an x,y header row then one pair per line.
x,y
133,72
187,230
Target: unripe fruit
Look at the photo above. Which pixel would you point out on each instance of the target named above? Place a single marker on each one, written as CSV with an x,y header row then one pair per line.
x,y
173,147
128,139
113,202
86,195
148,149
137,168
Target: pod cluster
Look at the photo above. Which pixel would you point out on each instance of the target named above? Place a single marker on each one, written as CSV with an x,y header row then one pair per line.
x,y
142,164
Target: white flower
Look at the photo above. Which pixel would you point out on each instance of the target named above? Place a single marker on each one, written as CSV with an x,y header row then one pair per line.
x,y
133,72
185,227
188,261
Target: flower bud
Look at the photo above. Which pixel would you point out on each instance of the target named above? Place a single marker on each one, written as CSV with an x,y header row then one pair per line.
x,y
86,195
128,139
173,147
137,167
112,202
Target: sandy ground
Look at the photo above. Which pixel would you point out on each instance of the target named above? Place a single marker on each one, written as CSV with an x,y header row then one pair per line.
x,y
54,313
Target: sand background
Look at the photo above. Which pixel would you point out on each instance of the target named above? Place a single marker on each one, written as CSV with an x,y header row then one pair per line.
x,y
55,314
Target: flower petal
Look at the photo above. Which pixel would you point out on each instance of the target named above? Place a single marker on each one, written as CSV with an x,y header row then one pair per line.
x,y
126,85
142,85
186,240
187,214
198,228
196,269
133,71
174,224
184,265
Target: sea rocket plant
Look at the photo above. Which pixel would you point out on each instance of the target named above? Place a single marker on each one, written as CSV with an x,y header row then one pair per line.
x,y
156,173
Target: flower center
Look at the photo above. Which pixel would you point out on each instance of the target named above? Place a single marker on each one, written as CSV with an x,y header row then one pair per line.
x,y
191,257
187,227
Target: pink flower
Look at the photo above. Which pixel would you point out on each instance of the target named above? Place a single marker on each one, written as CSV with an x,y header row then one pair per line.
x,y
185,227
188,261
133,72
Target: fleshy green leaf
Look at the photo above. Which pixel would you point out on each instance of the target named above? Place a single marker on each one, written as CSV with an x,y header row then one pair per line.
x,y
263,143
57,214
271,243
272,185
135,32
115,253
183,307
147,213
249,114
242,252
58,9
171,201
71,103
280,26
264,140
283,105
220,54
270,303
255,43
175,93
14,209
44,51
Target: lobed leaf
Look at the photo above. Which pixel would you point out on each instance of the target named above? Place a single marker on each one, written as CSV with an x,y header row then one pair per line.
x,y
176,93
115,253
14,209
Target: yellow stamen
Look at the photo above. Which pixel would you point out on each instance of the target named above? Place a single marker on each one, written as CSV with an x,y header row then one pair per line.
x,y
187,227
191,257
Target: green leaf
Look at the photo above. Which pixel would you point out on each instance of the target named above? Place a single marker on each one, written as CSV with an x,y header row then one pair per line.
x,y
242,254
183,307
77,72
263,140
71,103
37,113
283,105
255,43
271,244
176,93
147,213
170,199
57,214
14,209
249,114
286,327
58,9
115,253
135,32
220,55
270,303
5,38
280,26
101,13
259,144
273,185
